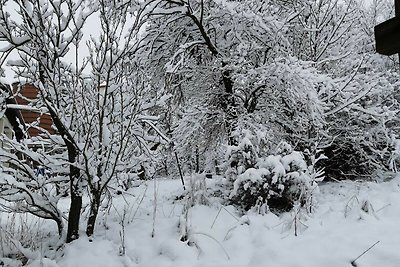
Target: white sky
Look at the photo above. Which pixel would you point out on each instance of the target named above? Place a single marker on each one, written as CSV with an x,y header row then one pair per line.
x,y
91,29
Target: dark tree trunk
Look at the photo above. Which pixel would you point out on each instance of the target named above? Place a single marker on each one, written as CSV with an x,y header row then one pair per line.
x,y
230,126
197,170
229,107
94,210
75,206
74,178
74,214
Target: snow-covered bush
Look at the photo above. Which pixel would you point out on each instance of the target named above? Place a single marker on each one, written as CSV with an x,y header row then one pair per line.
x,y
276,181
364,135
251,144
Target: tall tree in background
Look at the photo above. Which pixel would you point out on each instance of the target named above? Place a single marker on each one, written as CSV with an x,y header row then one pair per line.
x,y
200,51
359,97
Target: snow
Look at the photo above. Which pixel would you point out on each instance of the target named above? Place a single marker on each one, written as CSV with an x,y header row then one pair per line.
x,y
168,11
23,107
336,233
42,263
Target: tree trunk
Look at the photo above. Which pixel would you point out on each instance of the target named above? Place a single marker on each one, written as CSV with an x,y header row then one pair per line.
x,y
197,170
74,215
75,206
94,210
230,126
74,177
60,226
230,106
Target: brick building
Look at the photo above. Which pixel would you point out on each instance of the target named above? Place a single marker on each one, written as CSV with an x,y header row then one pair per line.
x,y
26,96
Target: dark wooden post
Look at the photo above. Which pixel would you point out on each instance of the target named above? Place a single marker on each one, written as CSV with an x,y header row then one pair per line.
x,y
387,34
397,12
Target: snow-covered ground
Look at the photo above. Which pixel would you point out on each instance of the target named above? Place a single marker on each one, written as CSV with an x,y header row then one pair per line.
x,y
349,218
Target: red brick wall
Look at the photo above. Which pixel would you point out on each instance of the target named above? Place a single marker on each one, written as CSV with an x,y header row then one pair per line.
x,y
24,94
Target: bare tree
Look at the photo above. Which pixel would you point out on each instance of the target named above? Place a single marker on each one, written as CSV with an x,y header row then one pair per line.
x,y
105,119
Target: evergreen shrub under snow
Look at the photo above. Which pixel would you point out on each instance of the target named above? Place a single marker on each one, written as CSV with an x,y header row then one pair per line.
x,y
275,181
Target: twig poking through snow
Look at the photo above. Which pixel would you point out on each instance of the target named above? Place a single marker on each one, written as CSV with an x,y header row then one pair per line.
x,y
155,207
353,263
219,243
387,205
219,211
222,207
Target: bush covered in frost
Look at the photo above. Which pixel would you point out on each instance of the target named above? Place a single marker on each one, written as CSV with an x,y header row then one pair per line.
x,y
275,181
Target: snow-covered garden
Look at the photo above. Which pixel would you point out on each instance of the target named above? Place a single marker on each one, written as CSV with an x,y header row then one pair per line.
x,y
198,133
349,218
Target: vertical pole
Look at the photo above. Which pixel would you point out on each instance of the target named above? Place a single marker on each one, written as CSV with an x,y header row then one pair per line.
x,y
397,11
180,170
